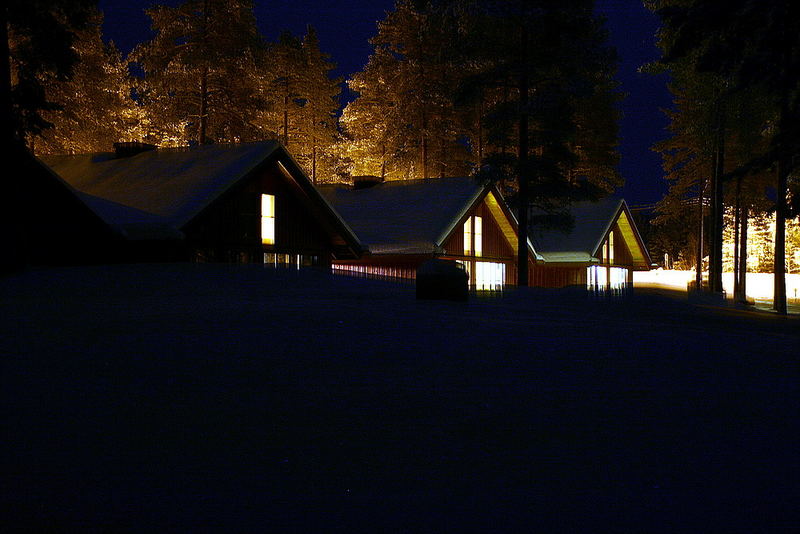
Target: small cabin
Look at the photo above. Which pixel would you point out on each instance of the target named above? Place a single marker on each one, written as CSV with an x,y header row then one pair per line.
x,y
403,223
599,251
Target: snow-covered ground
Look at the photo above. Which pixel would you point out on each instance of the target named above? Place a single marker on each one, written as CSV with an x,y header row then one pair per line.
x,y
760,286
231,398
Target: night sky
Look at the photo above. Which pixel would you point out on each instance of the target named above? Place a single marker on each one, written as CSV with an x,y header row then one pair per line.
x,y
345,26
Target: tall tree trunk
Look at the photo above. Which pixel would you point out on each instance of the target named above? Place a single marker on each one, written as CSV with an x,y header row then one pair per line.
x,y
201,137
717,208
314,164
779,290
442,163
742,297
5,81
13,255
736,228
286,116
424,144
383,162
522,249
480,130
700,238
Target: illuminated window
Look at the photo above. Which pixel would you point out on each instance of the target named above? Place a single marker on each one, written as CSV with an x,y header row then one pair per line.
x,y
599,278
473,236
268,219
478,236
468,236
489,275
611,247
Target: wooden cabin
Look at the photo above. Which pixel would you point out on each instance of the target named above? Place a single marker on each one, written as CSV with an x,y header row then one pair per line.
x,y
247,203
251,203
400,224
600,251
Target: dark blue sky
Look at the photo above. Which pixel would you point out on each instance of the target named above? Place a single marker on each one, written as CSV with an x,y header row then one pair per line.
x,y
632,31
344,27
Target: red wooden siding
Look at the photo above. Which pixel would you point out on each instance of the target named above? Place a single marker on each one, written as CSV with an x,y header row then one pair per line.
x,y
543,275
495,245
622,254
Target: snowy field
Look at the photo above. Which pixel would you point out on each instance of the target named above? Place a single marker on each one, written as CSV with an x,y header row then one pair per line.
x,y
220,398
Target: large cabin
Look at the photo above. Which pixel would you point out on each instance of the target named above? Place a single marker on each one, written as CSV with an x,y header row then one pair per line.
x,y
246,203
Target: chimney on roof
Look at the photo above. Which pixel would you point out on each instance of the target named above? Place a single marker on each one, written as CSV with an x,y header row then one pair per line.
x,y
363,182
131,148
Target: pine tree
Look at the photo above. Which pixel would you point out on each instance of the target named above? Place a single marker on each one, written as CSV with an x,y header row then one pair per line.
x,y
36,41
557,108
405,112
95,107
753,46
200,69
366,122
319,103
283,73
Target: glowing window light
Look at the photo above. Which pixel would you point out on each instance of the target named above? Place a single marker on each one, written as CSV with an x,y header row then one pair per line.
x,y
601,278
619,278
596,277
268,219
468,237
489,276
478,236
611,247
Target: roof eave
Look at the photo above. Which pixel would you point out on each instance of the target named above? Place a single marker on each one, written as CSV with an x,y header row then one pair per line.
x,y
474,200
350,237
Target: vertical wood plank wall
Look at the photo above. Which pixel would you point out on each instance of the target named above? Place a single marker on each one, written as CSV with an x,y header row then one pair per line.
x,y
230,229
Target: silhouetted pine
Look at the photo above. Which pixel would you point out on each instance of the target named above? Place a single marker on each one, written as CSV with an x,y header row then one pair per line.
x,y
37,40
551,122
753,46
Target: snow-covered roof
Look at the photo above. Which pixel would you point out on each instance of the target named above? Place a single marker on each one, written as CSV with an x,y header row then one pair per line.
x,y
169,185
405,216
129,222
580,244
592,221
